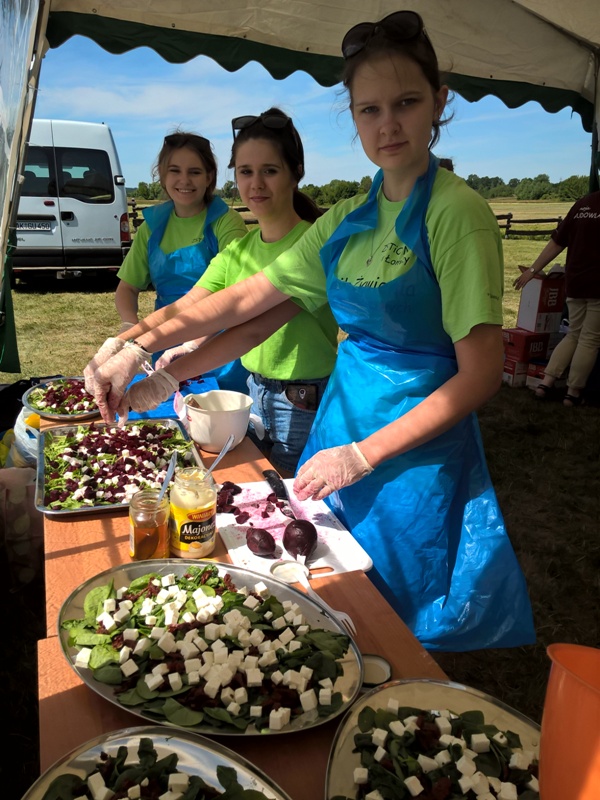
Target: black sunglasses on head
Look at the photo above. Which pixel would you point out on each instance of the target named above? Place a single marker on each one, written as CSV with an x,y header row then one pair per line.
x,y
177,139
400,26
274,121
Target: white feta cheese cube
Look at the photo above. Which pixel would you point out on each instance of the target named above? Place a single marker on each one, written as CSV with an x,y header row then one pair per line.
x,y
379,736
141,646
167,642
110,605
325,697
251,602
234,708
212,687
380,754
254,677
481,785
256,711
465,783
156,633
293,646
508,791
131,634
121,615
374,795
178,781
397,728
414,785
393,705
134,792
480,743
500,738
427,764
129,667
124,654
286,636
360,775
82,658
278,624
153,681
466,766
533,784
240,695
277,677
175,681
193,678
261,589
443,725
308,700
518,761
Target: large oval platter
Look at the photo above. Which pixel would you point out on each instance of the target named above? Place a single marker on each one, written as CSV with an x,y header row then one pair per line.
x,y
347,684
195,756
426,695
36,393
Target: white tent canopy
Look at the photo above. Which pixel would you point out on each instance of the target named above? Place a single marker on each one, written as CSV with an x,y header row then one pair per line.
x,y
517,50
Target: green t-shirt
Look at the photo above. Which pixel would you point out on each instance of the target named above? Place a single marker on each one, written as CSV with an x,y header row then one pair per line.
x,y
180,232
466,253
305,347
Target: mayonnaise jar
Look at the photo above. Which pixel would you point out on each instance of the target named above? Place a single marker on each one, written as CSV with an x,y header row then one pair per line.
x,y
193,523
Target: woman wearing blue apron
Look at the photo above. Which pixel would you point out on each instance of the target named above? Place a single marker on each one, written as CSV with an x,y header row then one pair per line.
x,y
179,239
414,275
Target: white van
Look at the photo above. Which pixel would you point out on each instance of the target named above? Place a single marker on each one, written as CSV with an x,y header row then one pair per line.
x,y
72,213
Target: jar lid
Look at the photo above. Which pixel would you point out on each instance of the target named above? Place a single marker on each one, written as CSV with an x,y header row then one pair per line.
x,y
376,670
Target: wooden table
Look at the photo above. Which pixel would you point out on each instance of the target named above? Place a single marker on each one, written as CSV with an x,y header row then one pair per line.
x,y
71,713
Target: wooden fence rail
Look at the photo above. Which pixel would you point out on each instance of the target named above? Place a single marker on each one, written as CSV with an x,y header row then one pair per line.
x,y
506,222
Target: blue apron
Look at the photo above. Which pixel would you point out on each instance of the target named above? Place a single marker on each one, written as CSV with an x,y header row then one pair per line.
x,y
174,274
428,518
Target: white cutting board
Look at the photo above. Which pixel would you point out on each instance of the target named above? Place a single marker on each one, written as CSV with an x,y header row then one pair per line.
x,y
337,550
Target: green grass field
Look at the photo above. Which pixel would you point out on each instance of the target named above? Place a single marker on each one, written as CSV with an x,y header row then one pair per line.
x,y
61,324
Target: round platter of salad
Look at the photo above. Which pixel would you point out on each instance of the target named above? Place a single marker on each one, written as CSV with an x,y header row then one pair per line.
x,y
211,648
61,399
152,762
433,740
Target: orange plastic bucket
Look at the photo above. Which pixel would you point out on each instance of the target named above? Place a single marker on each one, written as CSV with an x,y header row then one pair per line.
x,y
570,740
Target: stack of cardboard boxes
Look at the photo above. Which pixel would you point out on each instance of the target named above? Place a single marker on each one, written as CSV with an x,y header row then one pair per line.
x,y
528,347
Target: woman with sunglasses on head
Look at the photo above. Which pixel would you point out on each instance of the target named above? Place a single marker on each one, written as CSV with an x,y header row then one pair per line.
x,y
413,273
179,237
288,370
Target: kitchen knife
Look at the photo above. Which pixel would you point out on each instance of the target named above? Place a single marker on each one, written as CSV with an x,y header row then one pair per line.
x,y
276,483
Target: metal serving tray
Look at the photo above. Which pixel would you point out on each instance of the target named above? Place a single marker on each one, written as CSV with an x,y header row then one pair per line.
x,y
65,430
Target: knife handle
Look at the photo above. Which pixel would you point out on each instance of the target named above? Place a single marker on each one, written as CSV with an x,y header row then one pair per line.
x,y
276,483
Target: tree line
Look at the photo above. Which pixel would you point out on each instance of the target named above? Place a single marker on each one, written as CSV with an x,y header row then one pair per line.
x,y
538,188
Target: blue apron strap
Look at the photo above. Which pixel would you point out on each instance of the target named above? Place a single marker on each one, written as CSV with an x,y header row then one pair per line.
x,y
210,244
410,224
158,216
363,218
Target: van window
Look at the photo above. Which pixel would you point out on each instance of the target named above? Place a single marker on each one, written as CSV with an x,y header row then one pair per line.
x,y
83,174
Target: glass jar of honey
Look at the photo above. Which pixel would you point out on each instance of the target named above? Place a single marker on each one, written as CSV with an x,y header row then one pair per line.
x,y
193,524
148,525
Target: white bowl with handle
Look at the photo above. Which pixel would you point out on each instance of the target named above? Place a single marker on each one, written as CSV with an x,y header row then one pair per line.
x,y
213,416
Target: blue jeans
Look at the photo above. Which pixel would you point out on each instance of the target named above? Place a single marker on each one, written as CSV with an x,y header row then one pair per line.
x,y
286,426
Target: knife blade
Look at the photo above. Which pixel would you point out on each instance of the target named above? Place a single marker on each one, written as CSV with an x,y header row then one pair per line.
x,y
280,491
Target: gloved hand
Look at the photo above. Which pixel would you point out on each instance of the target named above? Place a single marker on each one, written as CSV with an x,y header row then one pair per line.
x,y
330,470
152,391
125,326
174,353
110,347
113,376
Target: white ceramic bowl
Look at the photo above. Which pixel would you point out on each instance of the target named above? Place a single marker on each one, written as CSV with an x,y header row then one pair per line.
x,y
221,413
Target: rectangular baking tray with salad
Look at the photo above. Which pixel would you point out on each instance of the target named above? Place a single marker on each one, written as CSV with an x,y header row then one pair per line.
x,y
98,467
211,648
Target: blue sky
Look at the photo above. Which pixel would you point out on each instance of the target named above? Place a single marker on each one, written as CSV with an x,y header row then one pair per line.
x,y
142,97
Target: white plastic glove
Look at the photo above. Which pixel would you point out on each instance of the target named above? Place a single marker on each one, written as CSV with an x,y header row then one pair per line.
x,y
174,353
113,376
110,347
152,391
330,470
125,326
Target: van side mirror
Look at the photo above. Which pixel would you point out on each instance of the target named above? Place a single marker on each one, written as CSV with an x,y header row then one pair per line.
x,y
119,180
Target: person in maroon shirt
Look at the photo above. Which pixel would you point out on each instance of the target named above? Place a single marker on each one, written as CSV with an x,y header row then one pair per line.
x,y
579,232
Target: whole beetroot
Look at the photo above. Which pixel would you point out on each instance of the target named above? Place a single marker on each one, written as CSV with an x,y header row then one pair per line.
x,y
300,538
260,542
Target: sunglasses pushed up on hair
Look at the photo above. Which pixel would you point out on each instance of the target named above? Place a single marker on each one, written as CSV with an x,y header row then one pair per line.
x,y
273,121
401,26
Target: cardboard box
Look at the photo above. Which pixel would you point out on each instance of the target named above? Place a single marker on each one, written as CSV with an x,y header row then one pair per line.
x,y
542,303
522,345
535,374
515,373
